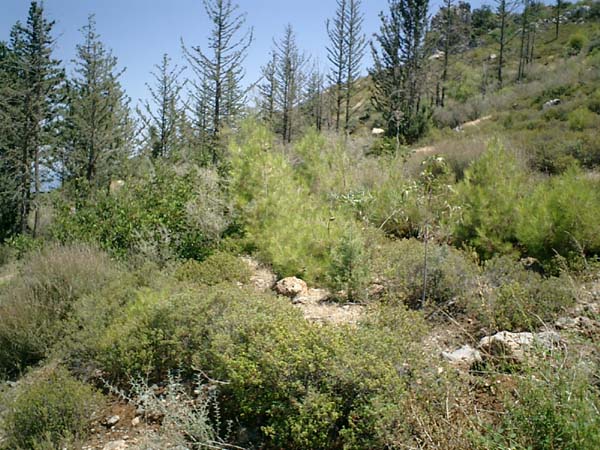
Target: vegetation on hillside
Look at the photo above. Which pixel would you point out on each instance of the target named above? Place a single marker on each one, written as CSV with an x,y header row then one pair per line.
x,y
130,269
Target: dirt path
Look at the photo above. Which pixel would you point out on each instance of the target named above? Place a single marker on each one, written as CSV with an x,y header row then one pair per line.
x,y
432,149
315,305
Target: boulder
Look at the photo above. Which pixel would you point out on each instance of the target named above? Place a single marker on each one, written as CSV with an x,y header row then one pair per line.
x,y
377,131
116,445
551,103
291,287
112,421
464,356
514,347
583,325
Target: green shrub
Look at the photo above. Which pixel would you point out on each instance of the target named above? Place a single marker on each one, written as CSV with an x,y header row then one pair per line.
x,y
291,227
551,407
517,299
36,304
350,268
287,382
576,43
173,212
562,216
218,268
50,408
488,197
582,118
401,267
594,101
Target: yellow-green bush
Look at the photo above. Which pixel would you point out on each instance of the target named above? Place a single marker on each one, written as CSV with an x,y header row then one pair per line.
x,y
516,299
489,197
290,227
36,304
562,216
218,268
50,409
582,118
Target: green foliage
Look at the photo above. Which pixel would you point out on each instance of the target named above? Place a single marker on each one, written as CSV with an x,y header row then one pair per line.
x,y
594,101
489,197
172,212
350,268
517,299
582,118
467,85
288,383
218,268
401,267
35,304
553,407
562,215
49,409
290,227
576,43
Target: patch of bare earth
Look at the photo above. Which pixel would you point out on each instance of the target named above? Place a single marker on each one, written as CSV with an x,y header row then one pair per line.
x,y
315,304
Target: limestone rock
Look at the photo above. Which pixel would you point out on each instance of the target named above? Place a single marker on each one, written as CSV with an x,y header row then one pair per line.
x,y
116,445
464,356
291,287
514,347
112,421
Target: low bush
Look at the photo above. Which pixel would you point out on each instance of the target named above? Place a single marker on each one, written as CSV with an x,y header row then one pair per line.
x,y
50,409
582,118
561,216
552,406
218,268
400,266
282,380
488,199
171,212
576,43
37,302
517,299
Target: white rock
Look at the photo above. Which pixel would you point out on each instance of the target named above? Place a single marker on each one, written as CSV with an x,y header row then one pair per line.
x,y
112,421
116,445
466,355
135,421
515,346
377,131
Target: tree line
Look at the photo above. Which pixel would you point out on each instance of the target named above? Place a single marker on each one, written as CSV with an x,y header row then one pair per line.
x,y
79,127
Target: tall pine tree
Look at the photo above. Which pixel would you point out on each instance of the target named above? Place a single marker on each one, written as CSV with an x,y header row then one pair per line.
x,y
161,115
98,125
219,70
31,109
399,53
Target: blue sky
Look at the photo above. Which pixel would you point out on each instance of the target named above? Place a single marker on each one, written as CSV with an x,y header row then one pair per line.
x,y
140,31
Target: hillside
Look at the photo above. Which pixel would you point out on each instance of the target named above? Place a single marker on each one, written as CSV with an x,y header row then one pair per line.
x,y
338,291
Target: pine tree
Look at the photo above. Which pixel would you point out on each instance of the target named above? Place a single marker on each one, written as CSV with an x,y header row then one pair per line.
x,y
162,116
399,53
33,110
503,10
98,125
356,44
314,99
289,77
268,90
9,162
219,71
337,53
